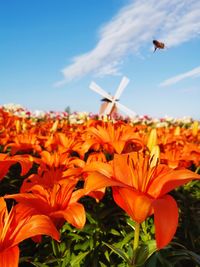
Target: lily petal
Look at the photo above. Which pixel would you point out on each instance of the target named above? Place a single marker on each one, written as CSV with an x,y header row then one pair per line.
x,y
97,181
120,169
165,219
9,257
26,162
36,225
4,167
167,182
101,167
136,204
74,214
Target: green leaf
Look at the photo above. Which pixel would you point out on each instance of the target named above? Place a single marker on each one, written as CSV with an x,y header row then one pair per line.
x,y
102,264
125,241
38,264
75,236
106,254
115,232
66,262
55,247
82,246
24,259
119,252
163,262
66,227
90,219
66,255
144,252
77,259
152,261
131,223
194,256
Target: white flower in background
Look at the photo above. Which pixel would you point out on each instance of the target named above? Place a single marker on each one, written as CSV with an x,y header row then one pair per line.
x,y
162,124
169,119
82,117
185,120
13,107
38,114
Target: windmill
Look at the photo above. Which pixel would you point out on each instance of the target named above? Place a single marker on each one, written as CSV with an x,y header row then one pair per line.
x,y
112,100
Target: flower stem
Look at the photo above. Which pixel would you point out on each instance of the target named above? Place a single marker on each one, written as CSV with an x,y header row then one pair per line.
x,y
136,236
197,169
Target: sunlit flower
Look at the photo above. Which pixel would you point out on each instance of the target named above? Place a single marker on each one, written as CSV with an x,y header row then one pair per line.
x,y
17,226
140,187
26,162
57,202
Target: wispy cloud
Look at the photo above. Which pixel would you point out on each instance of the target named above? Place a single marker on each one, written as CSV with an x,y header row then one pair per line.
x,y
132,29
189,74
189,90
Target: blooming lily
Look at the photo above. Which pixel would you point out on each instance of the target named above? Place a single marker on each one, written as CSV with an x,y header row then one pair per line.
x,y
57,202
140,186
25,142
6,161
112,138
15,227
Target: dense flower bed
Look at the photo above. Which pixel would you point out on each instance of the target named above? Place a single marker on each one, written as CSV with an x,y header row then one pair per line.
x,y
77,190
81,117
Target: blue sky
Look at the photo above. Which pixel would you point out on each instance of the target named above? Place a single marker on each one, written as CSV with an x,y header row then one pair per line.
x,y
50,51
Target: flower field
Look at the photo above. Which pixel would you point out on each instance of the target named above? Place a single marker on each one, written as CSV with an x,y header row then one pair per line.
x,y
77,190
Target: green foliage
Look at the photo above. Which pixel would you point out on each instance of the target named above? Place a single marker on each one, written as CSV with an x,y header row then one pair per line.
x,y
174,255
107,238
188,232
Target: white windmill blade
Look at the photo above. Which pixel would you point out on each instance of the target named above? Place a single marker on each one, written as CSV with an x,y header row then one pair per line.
x,y
124,82
126,110
119,91
109,107
100,91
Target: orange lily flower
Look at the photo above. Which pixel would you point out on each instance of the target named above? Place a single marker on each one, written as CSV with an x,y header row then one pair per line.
x,y
26,142
175,157
15,227
193,150
140,186
96,156
56,168
58,203
65,144
47,180
112,138
53,167
7,119
4,135
6,161
56,160
179,147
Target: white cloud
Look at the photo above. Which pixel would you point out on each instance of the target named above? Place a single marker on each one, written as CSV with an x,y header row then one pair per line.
x,y
135,26
189,90
189,74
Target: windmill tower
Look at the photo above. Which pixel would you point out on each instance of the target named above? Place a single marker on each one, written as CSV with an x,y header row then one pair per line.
x,y
104,105
111,104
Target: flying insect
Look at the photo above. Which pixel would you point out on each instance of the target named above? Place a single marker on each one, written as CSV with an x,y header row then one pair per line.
x,y
158,45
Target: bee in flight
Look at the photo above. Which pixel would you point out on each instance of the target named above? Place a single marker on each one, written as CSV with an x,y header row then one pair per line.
x,y
158,45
